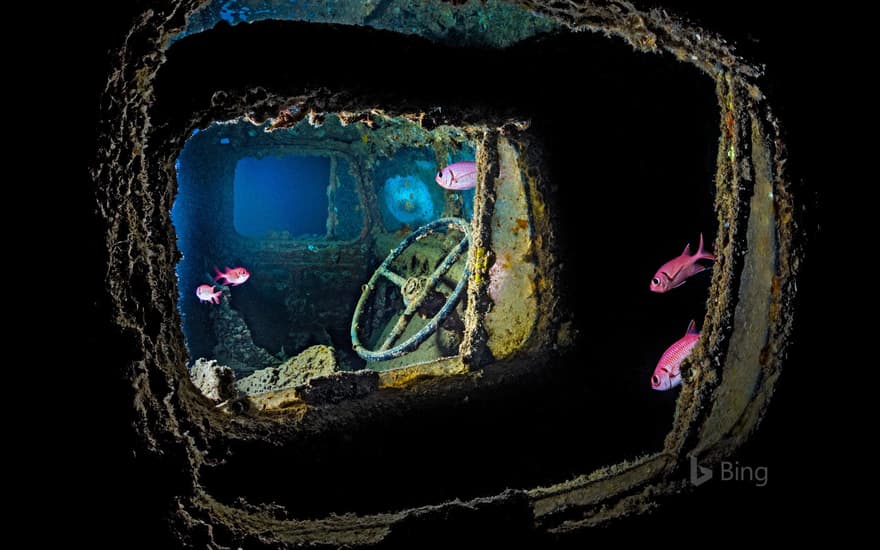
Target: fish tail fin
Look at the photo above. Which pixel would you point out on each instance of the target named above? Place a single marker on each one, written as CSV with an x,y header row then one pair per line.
x,y
218,275
692,328
701,252
216,298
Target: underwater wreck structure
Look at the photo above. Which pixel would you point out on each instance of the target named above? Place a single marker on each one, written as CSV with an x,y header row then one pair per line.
x,y
301,435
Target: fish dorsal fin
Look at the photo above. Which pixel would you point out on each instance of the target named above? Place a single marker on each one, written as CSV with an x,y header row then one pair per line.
x,y
701,252
692,328
687,250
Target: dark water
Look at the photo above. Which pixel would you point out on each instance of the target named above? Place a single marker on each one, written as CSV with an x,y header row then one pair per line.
x,y
635,183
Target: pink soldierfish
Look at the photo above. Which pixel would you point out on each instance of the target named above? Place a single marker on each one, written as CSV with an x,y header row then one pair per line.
x,y
232,276
458,176
206,294
676,271
666,374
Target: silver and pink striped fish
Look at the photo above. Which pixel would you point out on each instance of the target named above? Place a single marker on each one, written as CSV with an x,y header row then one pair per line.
x,y
667,374
458,176
676,271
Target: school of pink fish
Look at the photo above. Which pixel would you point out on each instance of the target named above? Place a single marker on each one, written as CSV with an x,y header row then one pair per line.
x,y
233,276
673,274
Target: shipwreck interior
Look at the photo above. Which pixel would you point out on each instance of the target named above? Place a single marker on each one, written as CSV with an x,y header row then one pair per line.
x,y
467,341
305,209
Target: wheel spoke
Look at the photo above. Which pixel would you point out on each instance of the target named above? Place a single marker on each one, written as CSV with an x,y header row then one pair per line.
x,y
393,277
398,329
417,300
447,263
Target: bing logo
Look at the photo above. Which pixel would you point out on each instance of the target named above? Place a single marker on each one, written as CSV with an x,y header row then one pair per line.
x,y
730,471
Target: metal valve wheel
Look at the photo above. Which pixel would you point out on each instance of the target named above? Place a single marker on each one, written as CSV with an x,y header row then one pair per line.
x,y
415,290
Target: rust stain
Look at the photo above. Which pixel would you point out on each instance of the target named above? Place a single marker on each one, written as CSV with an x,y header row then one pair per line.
x,y
506,261
520,225
776,286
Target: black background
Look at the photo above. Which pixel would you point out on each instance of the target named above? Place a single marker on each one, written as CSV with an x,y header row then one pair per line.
x,y
112,495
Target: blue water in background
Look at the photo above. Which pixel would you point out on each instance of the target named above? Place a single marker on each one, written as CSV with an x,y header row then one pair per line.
x,y
409,195
279,197
281,194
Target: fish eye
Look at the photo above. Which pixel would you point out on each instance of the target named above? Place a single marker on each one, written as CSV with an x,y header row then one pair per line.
x,y
655,380
440,174
655,281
